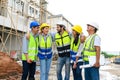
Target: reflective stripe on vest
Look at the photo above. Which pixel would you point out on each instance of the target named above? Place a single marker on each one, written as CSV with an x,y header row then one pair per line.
x,y
62,42
32,48
89,49
45,47
74,49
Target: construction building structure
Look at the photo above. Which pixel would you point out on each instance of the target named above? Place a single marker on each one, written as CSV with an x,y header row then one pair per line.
x,y
56,18
15,17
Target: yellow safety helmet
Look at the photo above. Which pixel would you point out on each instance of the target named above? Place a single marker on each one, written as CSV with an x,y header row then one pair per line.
x,y
44,25
77,28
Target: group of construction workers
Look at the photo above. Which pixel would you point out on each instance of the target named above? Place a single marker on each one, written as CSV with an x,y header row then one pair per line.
x,y
73,51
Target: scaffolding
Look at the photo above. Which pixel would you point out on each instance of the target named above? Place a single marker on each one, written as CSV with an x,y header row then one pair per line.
x,y
15,16
11,36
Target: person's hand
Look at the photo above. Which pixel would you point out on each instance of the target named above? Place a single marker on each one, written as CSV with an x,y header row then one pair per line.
x,y
28,35
82,39
67,30
74,65
29,61
97,64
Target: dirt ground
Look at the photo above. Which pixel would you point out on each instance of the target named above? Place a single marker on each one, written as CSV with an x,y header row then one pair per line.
x,y
10,70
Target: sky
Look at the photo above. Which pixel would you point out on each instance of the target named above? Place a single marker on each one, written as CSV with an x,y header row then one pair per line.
x,y
105,12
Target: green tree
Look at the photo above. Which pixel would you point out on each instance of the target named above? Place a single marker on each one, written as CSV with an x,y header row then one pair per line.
x,y
107,55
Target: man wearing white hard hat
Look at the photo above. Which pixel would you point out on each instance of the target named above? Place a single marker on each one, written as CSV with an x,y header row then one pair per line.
x,y
92,48
62,39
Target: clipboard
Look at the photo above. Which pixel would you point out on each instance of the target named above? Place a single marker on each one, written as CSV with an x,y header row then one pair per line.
x,y
92,60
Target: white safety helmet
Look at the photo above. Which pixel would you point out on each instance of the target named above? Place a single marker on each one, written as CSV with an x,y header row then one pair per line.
x,y
93,24
61,23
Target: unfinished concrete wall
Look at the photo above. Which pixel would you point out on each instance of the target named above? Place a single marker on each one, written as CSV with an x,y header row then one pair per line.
x,y
10,40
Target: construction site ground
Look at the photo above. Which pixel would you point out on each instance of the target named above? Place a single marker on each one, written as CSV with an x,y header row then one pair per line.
x,y
107,72
10,70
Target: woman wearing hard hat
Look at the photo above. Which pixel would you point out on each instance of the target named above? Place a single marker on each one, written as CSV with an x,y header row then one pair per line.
x,y
75,51
45,51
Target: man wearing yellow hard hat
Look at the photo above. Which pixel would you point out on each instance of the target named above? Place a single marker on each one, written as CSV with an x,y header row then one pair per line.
x,y
45,51
76,47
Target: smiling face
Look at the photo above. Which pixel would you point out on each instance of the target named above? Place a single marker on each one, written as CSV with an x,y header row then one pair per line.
x,y
35,29
45,30
58,28
90,28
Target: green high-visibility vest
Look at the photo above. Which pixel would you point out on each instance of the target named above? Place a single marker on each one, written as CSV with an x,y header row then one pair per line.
x,y
62,40
89,49
74,47
47,44
32,48
63,43
45,47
